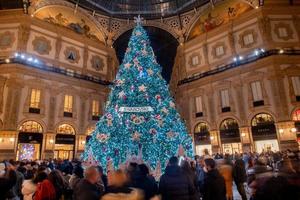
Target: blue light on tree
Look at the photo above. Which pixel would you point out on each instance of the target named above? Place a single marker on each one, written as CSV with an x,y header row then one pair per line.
x,y
140,117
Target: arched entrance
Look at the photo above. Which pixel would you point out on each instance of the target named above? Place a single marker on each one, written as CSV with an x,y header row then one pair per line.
x,y
202,138
64,142
264,133
30,141
296,119
230,136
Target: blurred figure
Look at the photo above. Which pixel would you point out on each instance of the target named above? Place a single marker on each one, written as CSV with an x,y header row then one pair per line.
x,y
214,184
225,170
45,190
240,177
8,179
76,176
59,183
103,177
87,188
200,174
174,184
29,187
15,192
118,190
187,170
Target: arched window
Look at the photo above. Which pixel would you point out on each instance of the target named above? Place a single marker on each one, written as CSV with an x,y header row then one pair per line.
x,y
229,129
296,115
65,129
201,133
262,119
263,127
31,127
229,124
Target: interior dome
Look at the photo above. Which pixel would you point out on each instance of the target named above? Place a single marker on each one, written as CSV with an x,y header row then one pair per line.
x,y
149,9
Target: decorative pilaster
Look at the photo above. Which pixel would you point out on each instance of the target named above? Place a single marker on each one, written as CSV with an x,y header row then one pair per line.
x,y
12,106
23,37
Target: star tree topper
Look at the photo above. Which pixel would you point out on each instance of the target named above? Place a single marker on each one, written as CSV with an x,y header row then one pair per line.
x,y
138,20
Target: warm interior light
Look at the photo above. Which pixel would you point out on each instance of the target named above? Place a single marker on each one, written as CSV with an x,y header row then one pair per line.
x,y
83,142
11,139
51,141
294,130
281,130
211,137
243,134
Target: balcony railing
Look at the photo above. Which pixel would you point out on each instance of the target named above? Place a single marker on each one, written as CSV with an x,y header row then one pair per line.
x,y
238,63
56,69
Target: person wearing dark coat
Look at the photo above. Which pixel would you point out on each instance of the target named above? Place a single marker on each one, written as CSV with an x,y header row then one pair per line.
x,y
88,187
240,177
174,184
142,180
7,182
214,184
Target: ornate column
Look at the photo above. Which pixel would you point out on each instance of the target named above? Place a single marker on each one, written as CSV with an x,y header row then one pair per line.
x,y
231,42
238,88
85,56
215,141
246,139
2,84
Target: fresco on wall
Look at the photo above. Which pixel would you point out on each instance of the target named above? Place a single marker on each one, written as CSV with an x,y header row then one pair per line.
x,y
66,17
220,14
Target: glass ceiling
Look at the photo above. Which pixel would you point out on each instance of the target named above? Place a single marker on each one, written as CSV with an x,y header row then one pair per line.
x,y
147,8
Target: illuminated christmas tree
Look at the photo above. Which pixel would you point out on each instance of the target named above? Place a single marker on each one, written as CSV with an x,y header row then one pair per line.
x,y
140,118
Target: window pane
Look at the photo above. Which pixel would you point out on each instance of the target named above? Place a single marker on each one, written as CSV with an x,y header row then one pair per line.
x,y
68,104
296,85
199,107
95,108
35,98
256,91
224,98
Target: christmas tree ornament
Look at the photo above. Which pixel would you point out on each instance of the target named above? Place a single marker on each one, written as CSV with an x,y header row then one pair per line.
x,y
127,65
172,104
153,131
136,136
142,88
165,110
102,137
158,97
150,72
121,94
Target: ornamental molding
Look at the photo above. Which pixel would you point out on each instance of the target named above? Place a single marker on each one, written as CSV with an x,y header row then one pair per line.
x,y
287,27
41,45
241,40
7,40
214,50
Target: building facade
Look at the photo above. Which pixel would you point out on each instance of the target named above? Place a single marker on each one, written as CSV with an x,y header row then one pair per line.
x,y
241,81
54,83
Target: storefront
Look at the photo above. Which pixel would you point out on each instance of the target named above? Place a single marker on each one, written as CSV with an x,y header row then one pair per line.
x,y
64,142
30,140
230,136
296,119
264,133
202,138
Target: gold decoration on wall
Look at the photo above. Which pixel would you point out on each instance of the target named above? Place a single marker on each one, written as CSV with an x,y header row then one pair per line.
x,y
283,28
41,45
97,63
214,50
194,56
7,39
248,38
72,54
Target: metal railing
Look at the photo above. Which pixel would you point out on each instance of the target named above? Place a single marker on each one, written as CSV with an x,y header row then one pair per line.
x,y
57,70
238,63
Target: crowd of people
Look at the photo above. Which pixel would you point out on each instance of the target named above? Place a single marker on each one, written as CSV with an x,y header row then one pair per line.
x,y
265,176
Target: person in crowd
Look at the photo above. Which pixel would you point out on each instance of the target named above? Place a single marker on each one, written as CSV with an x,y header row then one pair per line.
x,y
59,183
143,181
8,179
15,192
214,184
76,176
225,169
118,190
187,170
45,190
103,177
29,186
240,177
174,184
200,174
88,188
